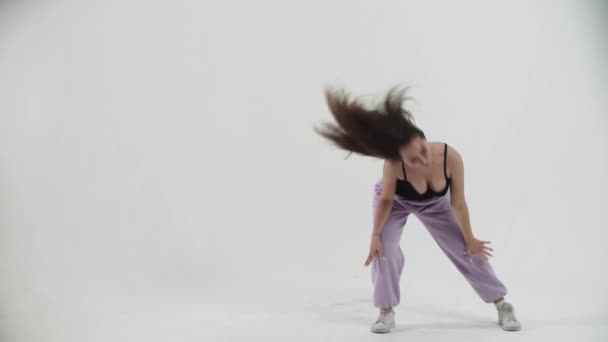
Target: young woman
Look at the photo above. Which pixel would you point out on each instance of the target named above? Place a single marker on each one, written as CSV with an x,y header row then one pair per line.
x,y
419,177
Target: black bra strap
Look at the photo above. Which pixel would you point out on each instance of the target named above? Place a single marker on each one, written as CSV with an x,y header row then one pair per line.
x,y
403,167
445,160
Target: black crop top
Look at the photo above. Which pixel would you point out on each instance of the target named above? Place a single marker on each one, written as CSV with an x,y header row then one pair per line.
x,y
406,190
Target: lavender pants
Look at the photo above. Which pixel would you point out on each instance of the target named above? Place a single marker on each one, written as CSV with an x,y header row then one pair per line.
x,y
437,216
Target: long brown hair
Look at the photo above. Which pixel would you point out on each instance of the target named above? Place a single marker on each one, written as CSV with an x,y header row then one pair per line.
x,y
377,132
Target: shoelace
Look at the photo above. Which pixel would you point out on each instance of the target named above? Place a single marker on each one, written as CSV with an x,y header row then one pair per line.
x,y
382,317
507,309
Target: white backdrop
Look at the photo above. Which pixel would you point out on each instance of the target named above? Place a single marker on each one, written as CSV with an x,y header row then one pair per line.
x,y
160,178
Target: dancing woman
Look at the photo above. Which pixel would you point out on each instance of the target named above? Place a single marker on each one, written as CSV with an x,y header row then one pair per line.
x,y
419,177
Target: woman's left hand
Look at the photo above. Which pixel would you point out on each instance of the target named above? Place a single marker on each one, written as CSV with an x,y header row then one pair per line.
x,y
474,246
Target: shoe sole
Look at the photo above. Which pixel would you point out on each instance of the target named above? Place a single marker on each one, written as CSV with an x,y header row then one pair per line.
x,y
510,329
383,331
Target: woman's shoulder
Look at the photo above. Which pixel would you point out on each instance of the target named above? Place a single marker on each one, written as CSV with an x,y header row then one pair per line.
x,y
390,167
389,164
452,155
441,146
438,144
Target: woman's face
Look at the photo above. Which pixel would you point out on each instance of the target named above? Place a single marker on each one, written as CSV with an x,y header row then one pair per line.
x,y
416,153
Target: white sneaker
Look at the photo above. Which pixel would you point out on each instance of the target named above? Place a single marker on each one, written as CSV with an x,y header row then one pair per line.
x,y
385,322
506,317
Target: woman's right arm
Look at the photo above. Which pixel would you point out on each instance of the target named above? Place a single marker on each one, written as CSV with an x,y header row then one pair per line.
x,y
383,209
385,201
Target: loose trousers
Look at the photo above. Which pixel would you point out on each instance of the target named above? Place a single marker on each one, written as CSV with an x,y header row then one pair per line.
x,y
438,218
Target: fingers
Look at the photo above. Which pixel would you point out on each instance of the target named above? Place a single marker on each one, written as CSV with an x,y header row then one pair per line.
x,y
377,253
370,257
485,254
468,255
486,249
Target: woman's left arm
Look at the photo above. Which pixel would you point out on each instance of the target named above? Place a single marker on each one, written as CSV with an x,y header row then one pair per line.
x,y
457,199
461,210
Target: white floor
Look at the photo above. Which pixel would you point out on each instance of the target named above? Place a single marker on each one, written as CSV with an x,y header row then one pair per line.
x,y
308,313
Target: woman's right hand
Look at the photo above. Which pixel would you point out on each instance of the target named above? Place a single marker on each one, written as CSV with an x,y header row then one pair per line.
x,y
375,249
